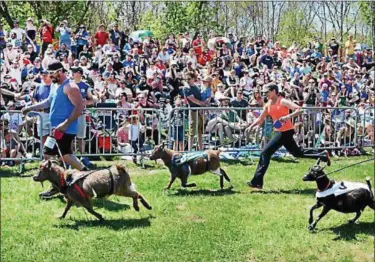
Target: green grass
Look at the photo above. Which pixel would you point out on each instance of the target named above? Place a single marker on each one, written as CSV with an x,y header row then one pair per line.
x,y
197,224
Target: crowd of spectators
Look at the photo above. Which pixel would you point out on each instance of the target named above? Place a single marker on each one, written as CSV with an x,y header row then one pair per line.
x,y
183,71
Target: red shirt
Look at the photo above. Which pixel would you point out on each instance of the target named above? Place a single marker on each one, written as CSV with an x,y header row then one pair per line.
x,y
204,57
101,38
46,33
197,46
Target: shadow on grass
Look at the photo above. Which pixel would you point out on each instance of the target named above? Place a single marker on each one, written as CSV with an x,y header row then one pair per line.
x,y
245,162
204,192
110,205
306,191
14,173
114,224
284,160
349,232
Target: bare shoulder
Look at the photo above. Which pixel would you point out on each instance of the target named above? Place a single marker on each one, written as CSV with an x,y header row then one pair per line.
x,y
70,86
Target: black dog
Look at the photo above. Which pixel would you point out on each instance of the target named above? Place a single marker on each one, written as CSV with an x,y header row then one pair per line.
x,y
345,197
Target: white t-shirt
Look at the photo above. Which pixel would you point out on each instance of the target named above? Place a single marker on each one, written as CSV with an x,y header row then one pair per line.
x,y
19,32
134,132
14,119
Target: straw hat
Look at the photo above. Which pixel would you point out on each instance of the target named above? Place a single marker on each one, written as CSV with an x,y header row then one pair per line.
x,y
351,122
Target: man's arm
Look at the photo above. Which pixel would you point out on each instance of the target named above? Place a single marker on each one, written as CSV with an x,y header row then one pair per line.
x,y
41,105
196,101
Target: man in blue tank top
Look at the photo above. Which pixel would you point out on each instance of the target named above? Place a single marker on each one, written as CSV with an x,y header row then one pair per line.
x,y
66,105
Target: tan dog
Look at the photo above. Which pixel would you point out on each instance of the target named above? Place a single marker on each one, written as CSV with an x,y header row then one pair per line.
x,y
195,167
114,180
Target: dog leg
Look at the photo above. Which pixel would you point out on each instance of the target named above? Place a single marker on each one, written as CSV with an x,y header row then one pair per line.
x,y
352,221
67,207
135,203
317,205
325,211
172,180
372,204
221,182
144,202
225,175
90,209
184,180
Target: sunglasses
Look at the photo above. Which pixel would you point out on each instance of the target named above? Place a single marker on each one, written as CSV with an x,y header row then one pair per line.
x,y
54,72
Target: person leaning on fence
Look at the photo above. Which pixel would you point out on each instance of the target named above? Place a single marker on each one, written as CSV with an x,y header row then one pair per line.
x,y
278,108
136,135
193,96
177,124
66,105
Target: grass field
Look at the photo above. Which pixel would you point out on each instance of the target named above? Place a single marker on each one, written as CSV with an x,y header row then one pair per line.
x,y
197,224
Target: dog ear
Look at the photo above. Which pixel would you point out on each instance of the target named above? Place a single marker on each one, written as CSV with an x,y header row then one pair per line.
x,y
49,164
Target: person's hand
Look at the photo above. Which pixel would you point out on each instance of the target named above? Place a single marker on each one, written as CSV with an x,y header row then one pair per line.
x,y
284,118
62,127
17,96
25,110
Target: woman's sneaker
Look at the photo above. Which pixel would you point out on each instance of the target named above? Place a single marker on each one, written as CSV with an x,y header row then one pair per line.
x,y
254,187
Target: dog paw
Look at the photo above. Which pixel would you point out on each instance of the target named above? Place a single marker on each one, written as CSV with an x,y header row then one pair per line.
x,y
193,185
61,217
311,228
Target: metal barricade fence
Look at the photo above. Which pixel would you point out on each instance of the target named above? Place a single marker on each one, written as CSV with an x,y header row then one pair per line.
x,y
326,128
366,124
117,132
226,128
20,137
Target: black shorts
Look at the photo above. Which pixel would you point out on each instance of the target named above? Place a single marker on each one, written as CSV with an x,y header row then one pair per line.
x,y
65,145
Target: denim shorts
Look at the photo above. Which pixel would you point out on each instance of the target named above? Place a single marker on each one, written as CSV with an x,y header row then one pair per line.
x,y
178,133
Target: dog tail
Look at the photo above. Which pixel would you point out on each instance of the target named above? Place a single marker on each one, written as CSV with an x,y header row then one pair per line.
x,y
370,187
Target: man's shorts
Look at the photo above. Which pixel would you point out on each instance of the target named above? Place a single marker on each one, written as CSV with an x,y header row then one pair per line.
x,y
65,146
81,127
196,123
46,124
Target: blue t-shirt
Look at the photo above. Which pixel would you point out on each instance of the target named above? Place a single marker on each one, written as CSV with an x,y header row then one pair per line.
x,y
64,36
324,95
83,89
80,40
41,92
206,93
128,63
61,108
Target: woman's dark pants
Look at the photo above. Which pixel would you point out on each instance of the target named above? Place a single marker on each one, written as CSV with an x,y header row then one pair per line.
x,y
280,139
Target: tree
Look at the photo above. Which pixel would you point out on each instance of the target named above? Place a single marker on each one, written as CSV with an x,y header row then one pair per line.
x,y
295,27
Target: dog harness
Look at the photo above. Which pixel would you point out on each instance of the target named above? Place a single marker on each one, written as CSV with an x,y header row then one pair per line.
x,y
341,188
111,186
178,159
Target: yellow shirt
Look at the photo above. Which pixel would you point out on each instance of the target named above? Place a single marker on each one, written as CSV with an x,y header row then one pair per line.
x,y
349,47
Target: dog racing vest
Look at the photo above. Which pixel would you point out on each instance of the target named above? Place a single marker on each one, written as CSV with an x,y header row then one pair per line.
x,y
341,188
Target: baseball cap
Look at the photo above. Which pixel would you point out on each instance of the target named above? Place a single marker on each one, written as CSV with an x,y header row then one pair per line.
x,y
270,87
54,67
77,69
44,72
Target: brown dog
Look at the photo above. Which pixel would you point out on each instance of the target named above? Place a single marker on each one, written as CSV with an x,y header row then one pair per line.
x,y
208,162
114,180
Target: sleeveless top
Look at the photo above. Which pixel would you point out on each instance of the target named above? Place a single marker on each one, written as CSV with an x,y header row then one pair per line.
x,y
277,111
61,108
